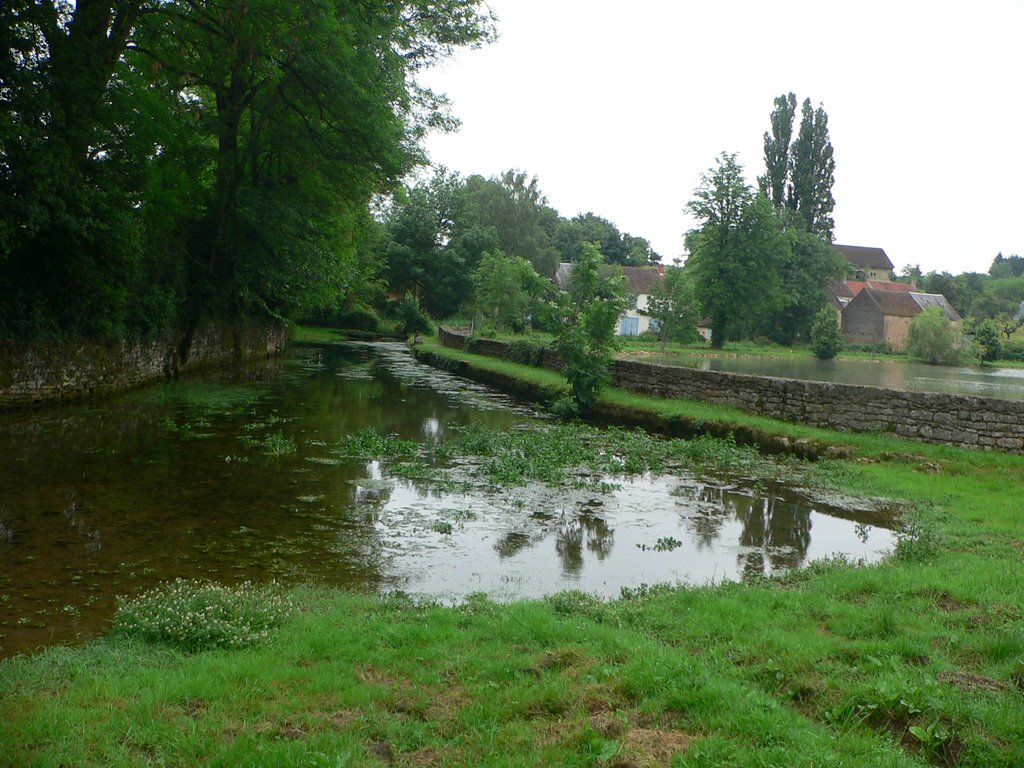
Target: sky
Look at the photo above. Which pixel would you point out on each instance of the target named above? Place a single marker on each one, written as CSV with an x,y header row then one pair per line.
x,y
618,108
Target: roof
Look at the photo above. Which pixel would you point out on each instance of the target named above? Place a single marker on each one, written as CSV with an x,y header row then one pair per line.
x,y
642,279
868,258
926,300
905,303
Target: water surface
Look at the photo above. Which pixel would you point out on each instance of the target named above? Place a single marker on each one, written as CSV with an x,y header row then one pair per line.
x,y
239,476
1002,383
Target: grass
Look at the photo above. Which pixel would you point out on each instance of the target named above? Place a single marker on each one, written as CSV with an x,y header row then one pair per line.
x,y
916,661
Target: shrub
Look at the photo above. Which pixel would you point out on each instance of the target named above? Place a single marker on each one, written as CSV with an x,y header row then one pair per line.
x,y
407,313
359,318
990,346
200,615
826,338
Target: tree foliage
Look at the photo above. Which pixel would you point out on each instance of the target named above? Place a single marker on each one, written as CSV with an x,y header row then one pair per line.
x,y
735,254
162,161
589,312
616,247
673,305
800,172
506,291
986,337
826,336
933,338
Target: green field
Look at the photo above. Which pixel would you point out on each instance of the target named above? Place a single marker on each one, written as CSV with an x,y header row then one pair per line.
x,y
915,661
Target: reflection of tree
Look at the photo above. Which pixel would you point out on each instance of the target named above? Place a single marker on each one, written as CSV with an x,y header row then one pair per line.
x,y
573,532
512,543
779,532
776,532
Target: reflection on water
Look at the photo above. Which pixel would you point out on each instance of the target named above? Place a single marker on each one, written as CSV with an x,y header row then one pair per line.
x,y
240,476
1004,383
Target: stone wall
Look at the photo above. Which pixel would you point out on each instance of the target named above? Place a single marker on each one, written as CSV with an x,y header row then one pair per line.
x,y
50,372
967,422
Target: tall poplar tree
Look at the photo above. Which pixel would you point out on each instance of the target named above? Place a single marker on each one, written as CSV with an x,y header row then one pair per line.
x,y
799,173
813,172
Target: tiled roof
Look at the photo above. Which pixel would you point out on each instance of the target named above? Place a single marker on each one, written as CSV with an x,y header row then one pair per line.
x,y
642,279
869,258
907,303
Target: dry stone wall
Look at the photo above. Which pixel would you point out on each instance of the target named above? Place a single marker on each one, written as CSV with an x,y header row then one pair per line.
x,y
963,421
73,370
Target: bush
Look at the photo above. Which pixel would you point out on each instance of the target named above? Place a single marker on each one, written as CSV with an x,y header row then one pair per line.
x,y
200,615
360,318
410,318
990,346
826,338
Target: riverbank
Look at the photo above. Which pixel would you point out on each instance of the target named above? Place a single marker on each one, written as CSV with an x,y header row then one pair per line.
x,y
915,661
83,368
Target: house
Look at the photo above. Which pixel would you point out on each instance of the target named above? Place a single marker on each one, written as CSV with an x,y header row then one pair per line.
x,y
639,283
868,263
876,316
843,292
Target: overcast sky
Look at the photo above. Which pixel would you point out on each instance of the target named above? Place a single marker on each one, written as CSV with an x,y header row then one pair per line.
x,y
618,108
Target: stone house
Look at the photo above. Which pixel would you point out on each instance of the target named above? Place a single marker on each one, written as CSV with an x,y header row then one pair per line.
x,y
875,316
867,263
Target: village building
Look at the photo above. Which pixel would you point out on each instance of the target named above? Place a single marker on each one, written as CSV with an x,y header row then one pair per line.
x,y
640,281
876,316
868,263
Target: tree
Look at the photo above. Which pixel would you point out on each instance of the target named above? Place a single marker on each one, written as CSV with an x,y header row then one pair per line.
x,y
506,290
513,208
986,336
799,173
673,306
616,247
171,161
806,268
589,312
773,183
813,172
1012,266
933,338
428,228
734,255
826,337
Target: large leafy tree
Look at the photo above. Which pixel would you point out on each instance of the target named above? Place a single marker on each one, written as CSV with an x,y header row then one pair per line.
x,y
736,252
432,244
806,266
507,290
800,172
513,207
224,151
616,247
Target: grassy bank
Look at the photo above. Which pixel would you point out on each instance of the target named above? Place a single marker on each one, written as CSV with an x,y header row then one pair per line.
x,y
916,661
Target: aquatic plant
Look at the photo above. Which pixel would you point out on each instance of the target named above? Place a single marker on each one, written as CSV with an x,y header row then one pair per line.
x,y
199,615
368,443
